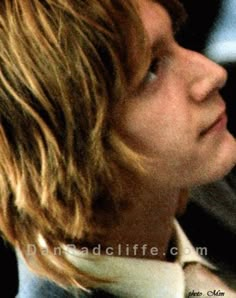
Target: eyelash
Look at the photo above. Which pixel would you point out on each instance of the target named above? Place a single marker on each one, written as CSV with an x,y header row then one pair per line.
x,y
152,71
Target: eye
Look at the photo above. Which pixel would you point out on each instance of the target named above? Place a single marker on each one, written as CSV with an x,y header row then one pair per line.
x,y
152,71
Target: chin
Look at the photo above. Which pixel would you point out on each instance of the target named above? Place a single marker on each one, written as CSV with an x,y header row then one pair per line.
x,y
209,174
223,172
223,162
216,174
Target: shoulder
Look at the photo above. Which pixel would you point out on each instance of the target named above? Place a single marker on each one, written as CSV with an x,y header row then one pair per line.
x,y
33,286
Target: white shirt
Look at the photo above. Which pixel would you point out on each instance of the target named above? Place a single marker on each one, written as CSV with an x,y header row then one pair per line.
x,y
139,277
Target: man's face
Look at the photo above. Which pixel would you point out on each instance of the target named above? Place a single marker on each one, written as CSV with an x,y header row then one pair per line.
x,y
177,117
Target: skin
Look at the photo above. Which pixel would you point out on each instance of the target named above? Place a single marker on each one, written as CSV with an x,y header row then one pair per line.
x,y
164,121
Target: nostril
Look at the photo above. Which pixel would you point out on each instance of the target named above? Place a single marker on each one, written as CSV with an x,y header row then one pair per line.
x,y
210,82
201,90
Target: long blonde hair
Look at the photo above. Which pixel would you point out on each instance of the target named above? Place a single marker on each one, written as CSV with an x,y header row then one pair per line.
x,y
63,65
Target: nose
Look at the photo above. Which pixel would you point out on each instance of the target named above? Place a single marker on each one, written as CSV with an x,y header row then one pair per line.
x,y
203,75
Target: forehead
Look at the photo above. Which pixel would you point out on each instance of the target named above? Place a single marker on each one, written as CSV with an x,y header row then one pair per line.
x,y
174,10
159,18
155,18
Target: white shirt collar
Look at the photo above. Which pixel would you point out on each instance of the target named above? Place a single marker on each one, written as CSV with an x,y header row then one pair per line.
x,y
141,278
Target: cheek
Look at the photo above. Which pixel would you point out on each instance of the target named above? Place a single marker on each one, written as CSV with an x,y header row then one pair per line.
x,y
175,160
157,134
175,167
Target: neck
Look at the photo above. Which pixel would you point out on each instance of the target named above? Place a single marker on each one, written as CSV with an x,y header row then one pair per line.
x,y
146,229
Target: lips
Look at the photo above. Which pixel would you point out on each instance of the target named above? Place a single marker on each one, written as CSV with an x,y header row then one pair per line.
x,y
220,119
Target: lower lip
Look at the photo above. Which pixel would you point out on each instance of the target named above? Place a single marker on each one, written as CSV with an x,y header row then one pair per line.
x,y
219,126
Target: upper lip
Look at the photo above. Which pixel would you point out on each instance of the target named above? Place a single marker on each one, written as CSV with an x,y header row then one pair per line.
x,y
213,123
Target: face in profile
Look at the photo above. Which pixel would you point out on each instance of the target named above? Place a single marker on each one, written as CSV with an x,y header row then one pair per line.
x,y
176,118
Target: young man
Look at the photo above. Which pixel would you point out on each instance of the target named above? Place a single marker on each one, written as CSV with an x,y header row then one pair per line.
x,y
105,122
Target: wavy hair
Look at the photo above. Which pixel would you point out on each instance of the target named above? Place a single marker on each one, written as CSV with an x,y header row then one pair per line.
x,y
63,65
